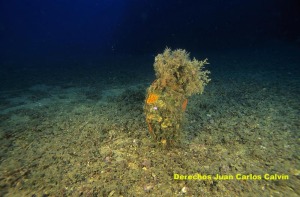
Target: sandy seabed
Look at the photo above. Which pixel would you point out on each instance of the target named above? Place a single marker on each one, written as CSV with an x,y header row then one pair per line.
x,y
92,140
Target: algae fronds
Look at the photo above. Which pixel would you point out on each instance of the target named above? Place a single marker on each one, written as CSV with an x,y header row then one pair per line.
x,y
177,78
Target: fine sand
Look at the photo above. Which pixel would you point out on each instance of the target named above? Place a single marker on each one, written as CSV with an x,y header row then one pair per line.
x,y
87,135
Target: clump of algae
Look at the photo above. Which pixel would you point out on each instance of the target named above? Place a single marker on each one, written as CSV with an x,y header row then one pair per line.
x,y
177,78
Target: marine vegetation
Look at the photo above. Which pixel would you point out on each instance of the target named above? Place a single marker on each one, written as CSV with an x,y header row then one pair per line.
x,y
177,78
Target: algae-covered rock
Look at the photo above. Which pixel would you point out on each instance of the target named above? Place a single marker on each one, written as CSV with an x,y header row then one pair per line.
x,y
177,78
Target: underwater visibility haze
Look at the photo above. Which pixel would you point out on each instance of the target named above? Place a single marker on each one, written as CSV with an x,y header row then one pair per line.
x,y
150,98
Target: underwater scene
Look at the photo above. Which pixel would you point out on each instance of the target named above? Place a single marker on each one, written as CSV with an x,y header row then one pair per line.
x,y
149,98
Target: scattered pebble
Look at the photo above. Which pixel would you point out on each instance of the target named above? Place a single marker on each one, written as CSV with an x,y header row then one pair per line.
x,y
148,187
184,189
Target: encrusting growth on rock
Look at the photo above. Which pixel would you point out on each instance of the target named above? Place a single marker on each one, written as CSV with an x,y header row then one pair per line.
x,y
177,78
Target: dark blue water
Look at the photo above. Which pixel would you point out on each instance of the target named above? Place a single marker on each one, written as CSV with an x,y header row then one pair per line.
x,y
39,34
